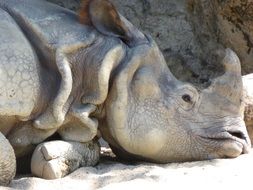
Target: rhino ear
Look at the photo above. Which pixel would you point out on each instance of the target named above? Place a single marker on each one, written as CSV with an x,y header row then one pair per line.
x,y
105,18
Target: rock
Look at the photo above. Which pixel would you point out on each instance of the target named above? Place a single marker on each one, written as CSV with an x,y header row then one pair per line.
x,y
214,174
248,101
224,23
235,29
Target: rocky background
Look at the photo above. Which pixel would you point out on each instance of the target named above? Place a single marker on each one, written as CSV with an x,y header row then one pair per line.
x,y
189,31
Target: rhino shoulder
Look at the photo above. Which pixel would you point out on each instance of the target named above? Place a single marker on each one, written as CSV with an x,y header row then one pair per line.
x,y
49,26
19,70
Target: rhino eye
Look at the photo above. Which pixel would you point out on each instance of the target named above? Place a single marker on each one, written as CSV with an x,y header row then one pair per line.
x,y
187,98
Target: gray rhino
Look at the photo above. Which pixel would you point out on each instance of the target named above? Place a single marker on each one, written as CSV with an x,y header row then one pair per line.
x,y
98,74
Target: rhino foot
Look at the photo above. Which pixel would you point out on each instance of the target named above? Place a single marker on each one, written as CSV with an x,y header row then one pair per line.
x,y
88,128
7,161
56,159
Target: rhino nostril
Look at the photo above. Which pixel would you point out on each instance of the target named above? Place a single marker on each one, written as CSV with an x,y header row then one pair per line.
x,y
237,134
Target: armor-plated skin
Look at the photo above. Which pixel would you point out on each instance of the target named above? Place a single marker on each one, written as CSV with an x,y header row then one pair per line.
x,y
76,79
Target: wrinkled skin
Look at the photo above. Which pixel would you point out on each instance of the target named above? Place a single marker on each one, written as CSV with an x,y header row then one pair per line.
x,y
188,124
7,161
105,75
248,103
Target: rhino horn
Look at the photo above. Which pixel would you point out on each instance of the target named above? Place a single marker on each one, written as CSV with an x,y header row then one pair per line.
x,y
229,85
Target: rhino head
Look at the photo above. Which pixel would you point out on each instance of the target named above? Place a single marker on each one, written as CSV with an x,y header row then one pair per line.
x,y
149,114
152,115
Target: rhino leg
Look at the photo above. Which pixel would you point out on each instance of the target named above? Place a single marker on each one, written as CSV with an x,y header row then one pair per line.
x,y
84,129
55,114
56,159
7,161
23,138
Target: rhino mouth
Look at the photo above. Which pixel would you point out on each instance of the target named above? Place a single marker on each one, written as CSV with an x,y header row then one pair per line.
x,y
231,143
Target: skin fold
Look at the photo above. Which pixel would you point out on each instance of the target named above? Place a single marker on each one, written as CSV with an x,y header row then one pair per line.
x,y
80,76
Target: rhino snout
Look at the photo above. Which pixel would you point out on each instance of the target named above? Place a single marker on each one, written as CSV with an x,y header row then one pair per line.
x,y
228,142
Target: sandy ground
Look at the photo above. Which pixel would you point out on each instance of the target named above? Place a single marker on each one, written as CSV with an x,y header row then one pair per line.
x,y
220,173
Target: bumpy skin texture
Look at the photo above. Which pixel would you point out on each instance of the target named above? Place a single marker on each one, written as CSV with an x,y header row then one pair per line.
x,y
19,82
104,74
7,161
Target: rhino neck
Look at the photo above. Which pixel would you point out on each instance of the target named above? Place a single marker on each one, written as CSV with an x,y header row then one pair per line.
x,y
93,68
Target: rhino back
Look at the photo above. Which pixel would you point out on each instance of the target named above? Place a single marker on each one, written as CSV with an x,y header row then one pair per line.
x,y
19,78
49,26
